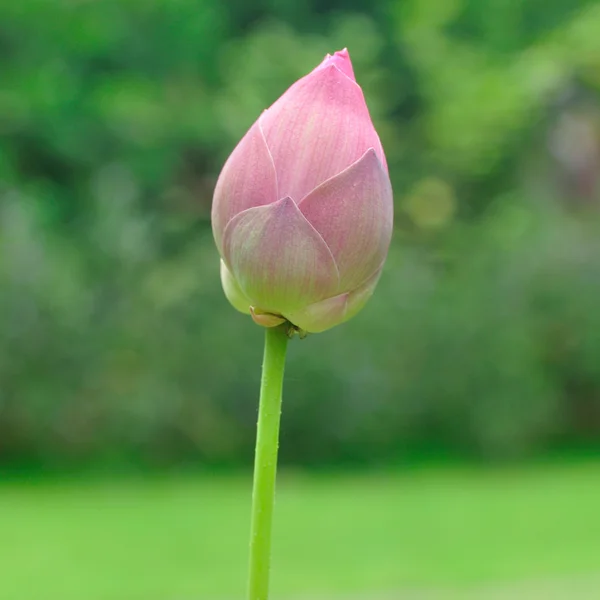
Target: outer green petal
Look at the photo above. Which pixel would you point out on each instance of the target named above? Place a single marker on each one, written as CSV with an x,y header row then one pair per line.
x,y
278,258
233,292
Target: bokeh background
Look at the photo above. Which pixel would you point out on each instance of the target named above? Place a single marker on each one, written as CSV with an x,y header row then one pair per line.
x,y
444,442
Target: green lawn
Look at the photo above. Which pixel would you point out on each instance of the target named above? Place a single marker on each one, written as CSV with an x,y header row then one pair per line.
x,y
184,537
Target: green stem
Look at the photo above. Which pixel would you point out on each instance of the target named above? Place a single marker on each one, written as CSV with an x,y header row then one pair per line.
x,y
265,461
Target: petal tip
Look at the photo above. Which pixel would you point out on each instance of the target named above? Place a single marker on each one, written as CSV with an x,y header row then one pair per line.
x,y
284,205
371,156
370,153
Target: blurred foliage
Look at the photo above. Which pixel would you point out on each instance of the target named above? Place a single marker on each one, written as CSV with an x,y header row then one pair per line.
x,y
116,341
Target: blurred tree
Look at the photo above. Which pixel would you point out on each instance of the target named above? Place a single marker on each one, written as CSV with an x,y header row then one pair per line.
x,y
116,343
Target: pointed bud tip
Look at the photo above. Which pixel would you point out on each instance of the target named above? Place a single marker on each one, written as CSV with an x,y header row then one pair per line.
x,y
341,60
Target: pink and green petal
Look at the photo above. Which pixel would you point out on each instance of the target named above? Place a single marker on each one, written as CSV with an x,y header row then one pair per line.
x,y
233,292
359,297
320,316
278,258
328,313
320,126
353,212
248,179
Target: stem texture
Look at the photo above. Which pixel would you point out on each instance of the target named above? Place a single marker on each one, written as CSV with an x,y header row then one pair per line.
x,y
265,461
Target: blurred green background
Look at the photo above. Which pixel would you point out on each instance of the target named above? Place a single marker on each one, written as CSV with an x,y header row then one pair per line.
x,y
445,439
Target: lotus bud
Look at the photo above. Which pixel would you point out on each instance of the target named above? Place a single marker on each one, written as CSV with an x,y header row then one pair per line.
x,y
302,211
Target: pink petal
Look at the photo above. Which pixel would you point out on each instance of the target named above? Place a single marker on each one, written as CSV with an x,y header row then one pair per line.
x,y
320,126
341,59
278,259
353,212
248,179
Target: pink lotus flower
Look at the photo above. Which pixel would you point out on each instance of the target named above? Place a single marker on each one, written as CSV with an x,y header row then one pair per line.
x,y
302,211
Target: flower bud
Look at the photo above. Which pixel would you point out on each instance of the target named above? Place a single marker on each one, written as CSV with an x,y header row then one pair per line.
x,y
302,212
